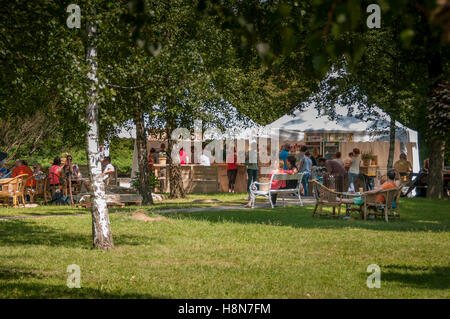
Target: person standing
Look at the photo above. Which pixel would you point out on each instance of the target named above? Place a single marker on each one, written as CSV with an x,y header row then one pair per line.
x,y
353,171
252,170
403,166
338,158
204,159
301,154
336,170
315,156
231,171
184,157
305,168
284,154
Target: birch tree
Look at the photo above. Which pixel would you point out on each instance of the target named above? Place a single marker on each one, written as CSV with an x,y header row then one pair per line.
x,y
101,229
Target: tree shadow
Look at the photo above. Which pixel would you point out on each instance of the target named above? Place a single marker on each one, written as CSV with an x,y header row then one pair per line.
x,y
436,277
301,217
40,290
21,283
19,232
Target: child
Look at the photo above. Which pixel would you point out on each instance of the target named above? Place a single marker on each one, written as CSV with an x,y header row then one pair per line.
x,y
319,175
37,172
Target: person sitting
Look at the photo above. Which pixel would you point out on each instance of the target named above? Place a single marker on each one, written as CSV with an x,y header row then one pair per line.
x,y
403,166
387,183
276,184
56,172
319,175
3,170
74,171
292,184
108,170
37,172
20,168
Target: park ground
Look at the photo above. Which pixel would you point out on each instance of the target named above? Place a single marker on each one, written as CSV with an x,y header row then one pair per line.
x,y
260,253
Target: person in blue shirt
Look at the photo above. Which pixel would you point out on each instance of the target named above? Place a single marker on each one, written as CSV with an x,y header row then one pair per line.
x,y
284,154
319,175
3,170
305,168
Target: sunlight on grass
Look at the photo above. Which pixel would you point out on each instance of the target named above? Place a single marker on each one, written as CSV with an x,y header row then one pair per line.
x,y
261,253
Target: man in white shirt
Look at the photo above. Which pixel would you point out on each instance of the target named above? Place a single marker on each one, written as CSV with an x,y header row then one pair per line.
x,y
204,159
109,169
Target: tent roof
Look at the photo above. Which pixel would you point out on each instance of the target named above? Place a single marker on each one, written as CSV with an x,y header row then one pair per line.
x,y
309,120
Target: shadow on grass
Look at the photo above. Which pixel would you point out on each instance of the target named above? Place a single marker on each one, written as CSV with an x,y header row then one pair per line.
x,y
26,232
418,277
23,290
26,288
414,217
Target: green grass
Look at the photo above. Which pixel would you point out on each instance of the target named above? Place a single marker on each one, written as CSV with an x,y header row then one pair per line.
x,y
225,199
264,253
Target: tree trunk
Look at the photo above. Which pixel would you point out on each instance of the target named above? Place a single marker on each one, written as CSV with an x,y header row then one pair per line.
x,y
390,163
435,178
144,174
174,172
101,230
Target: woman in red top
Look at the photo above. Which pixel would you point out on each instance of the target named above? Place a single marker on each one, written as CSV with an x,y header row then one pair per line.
x,y
277,184
184,157
20,169
56,172
231,171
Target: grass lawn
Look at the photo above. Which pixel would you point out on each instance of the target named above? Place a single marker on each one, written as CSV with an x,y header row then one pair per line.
x,y
192,200
261,253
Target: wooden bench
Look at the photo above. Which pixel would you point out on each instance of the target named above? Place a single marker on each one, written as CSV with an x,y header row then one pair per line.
x,y
269,192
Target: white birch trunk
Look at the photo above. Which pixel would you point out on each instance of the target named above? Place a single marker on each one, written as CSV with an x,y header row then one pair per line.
x,y
101,230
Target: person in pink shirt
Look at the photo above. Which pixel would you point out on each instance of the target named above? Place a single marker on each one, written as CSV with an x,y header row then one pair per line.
x,y
56,172
184,157
276,184
279,184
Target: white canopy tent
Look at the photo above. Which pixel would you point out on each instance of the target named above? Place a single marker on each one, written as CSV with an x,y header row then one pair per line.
x,y
292,127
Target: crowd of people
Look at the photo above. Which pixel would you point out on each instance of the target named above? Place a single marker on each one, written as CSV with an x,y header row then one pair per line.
x,y
61,172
